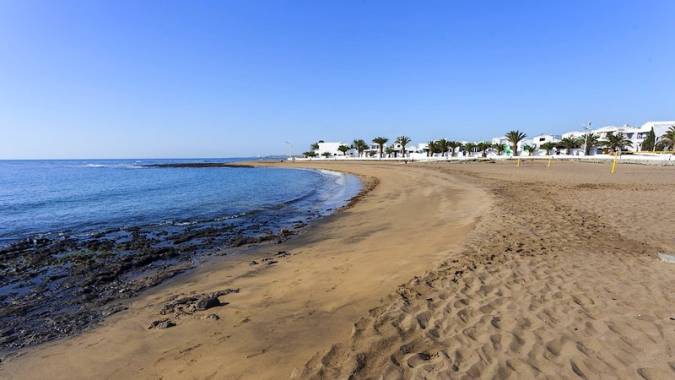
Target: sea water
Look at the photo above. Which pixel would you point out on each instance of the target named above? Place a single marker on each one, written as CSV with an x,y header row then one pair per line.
x,y
84,196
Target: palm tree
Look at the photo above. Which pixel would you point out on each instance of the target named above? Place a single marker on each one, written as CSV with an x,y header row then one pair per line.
x,y
360,146
314,146
311,153
381,141
390,150
514,137
548,147
442,146
498,147
403,141
343,149
668,138
453,145
326,154
617,142
569,143
590,141
431,148
483,146
530,149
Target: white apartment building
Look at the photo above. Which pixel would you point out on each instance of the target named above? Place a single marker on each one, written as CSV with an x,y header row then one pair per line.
x,y
538,140
660,128
636,135
374,150
409,148
633,134
330,148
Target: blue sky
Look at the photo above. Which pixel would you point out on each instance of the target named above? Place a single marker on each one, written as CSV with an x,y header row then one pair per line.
x,y
90,79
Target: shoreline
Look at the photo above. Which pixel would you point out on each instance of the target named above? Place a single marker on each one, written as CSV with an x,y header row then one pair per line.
x,y
295,263
107,272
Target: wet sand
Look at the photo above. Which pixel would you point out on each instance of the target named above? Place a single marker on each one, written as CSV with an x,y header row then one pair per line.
x,y
441,271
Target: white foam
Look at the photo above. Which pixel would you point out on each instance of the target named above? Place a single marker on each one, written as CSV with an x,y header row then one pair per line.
x,y
331,172
339,177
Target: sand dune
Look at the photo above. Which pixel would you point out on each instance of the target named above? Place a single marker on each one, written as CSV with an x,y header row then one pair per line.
x,y
442,271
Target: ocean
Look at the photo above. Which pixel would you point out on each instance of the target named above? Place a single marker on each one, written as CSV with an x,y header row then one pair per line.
x,y
79,197
79,237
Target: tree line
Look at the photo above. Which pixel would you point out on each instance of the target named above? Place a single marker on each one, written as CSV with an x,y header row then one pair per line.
x,y
613,142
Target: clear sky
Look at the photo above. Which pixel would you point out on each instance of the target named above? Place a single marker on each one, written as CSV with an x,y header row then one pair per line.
x,y
94,79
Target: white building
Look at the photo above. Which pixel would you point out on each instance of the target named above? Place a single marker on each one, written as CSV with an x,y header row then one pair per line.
x,y
538,140
636,135
500,140
573,134
331,149
409,148
421,147
660,127
374,150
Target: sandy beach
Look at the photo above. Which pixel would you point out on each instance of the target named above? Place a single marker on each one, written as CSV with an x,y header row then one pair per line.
x,y
471,270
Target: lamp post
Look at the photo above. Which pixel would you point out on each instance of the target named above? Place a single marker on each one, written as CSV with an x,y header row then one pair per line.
x,y
587,128
290,150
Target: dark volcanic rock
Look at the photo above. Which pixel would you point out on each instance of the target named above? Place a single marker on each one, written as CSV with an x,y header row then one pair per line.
x,y
200,165
113,309
282,254
194,303
161,324
57,285
243,240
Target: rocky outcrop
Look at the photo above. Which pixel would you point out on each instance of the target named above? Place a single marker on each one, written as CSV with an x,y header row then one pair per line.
x,y
194,303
